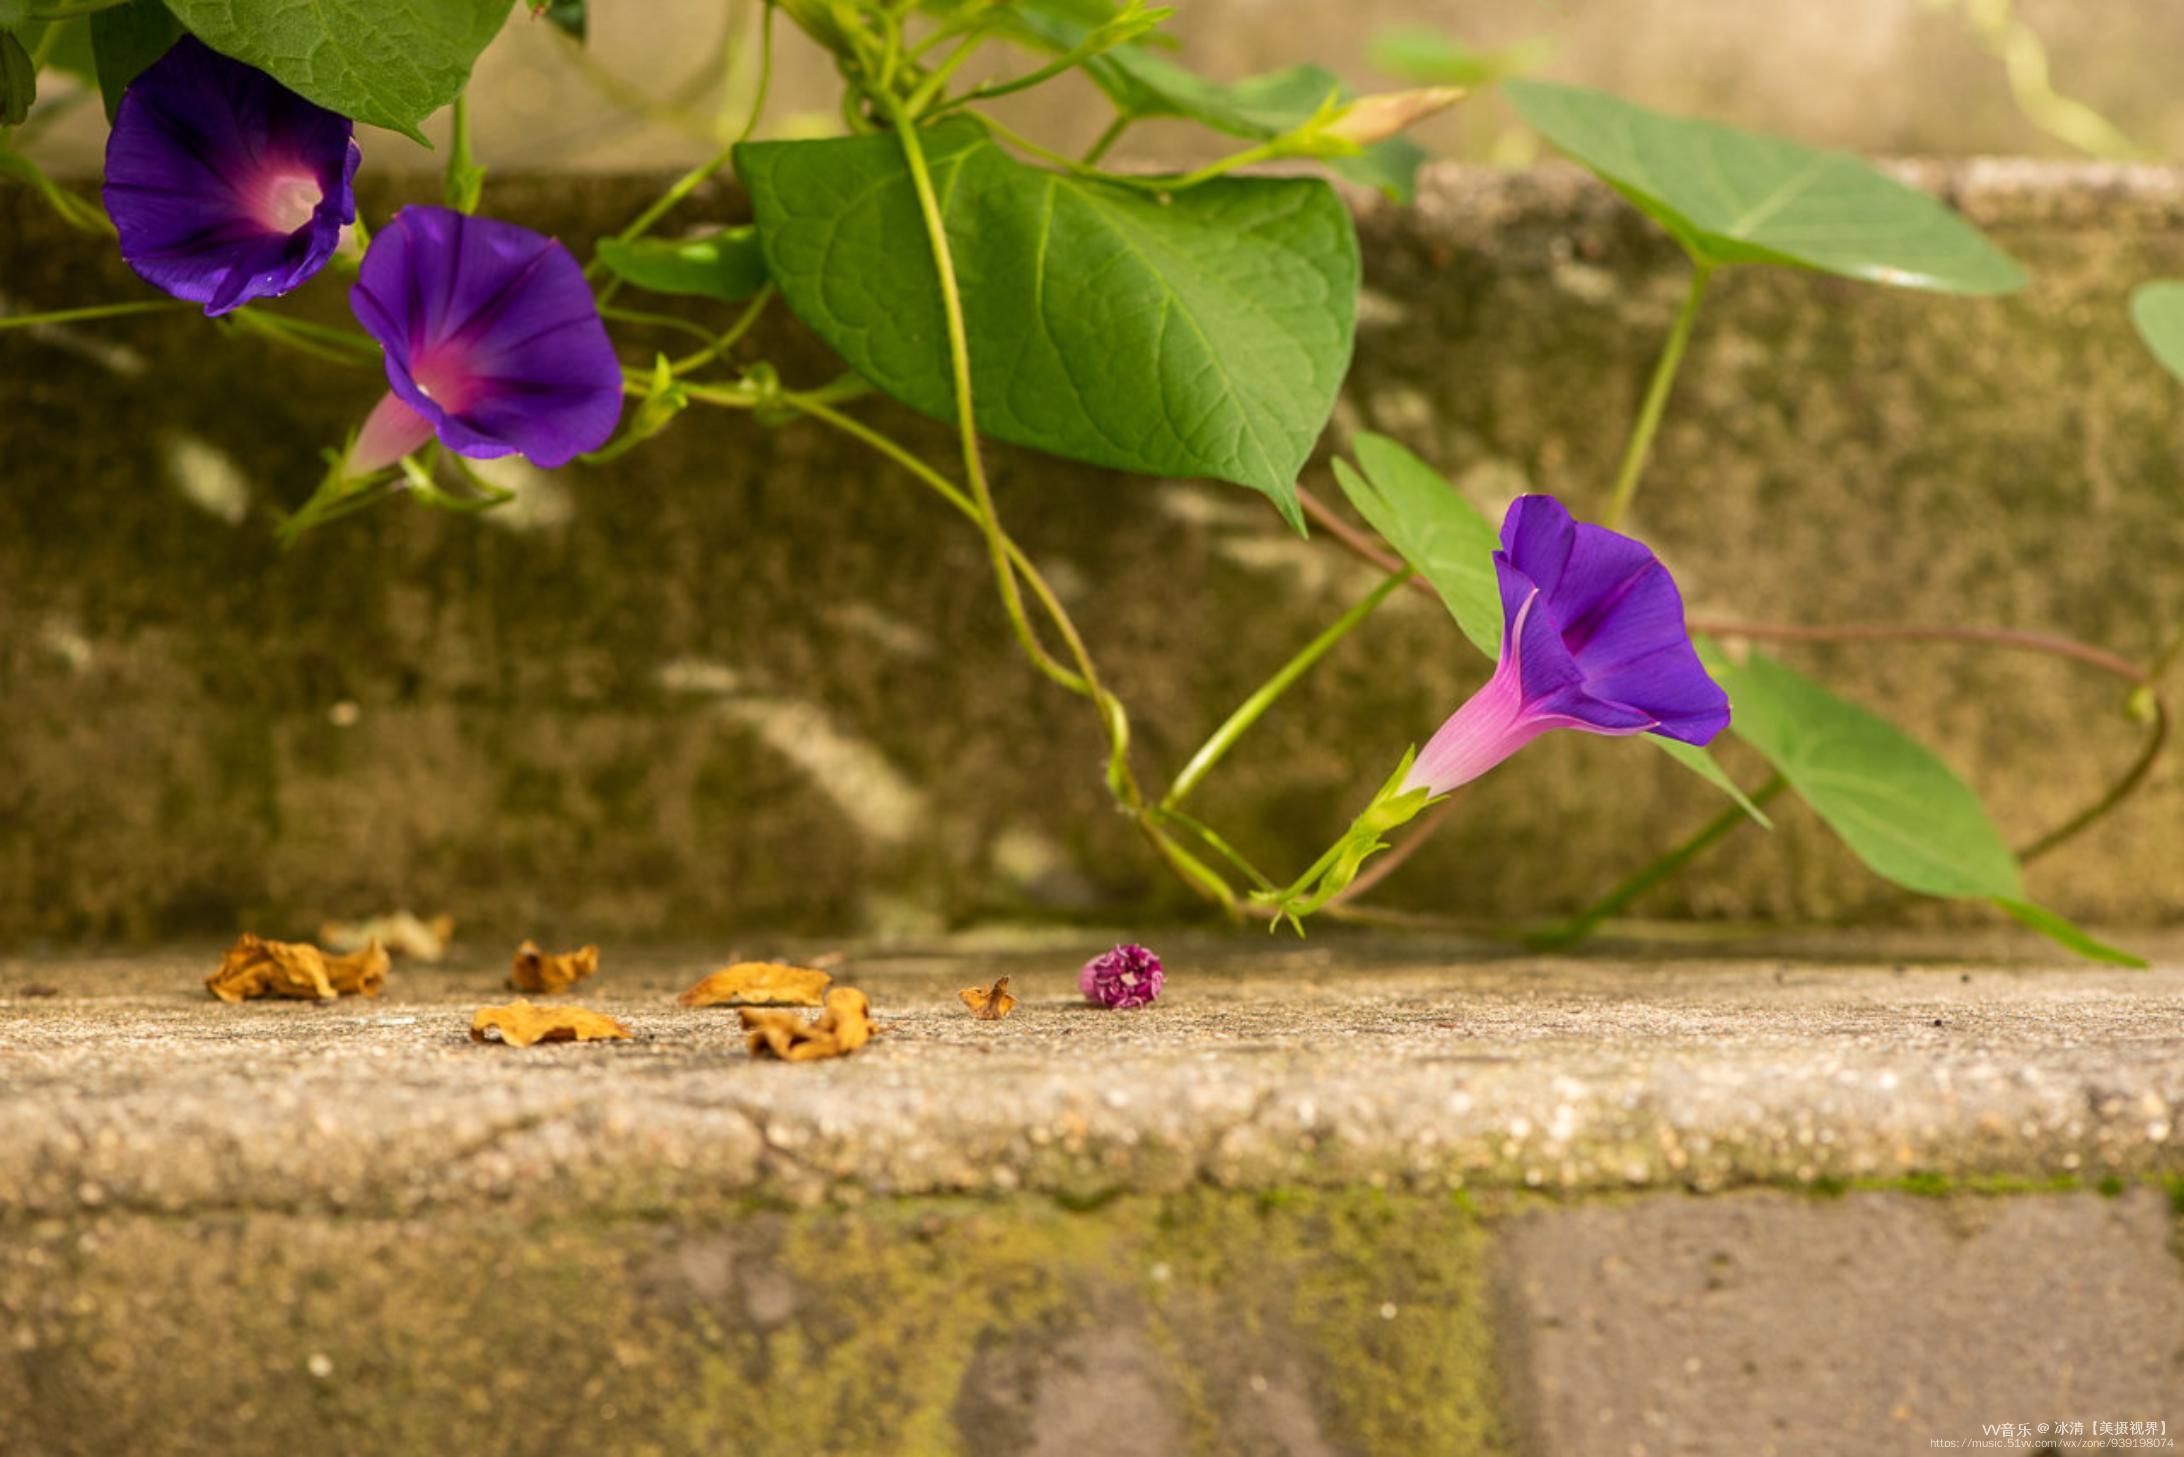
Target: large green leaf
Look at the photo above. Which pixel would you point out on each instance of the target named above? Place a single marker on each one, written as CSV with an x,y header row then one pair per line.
x,y
1740,197
126,39
388,62
1894,803
727,265
1441,535
1203,335
1447,541
2157,312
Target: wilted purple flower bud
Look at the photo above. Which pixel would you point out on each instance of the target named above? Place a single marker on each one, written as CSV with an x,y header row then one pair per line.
x,y
493,343
225,185
1593,638
1128,976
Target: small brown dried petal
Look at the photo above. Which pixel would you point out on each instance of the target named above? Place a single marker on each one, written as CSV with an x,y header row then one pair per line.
x,y
519,1024
255,967
989,1004
539,971
842,1028
759,984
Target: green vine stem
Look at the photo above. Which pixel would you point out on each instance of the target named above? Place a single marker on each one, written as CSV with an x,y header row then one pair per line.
x,y
705,171
1154,183
1662,868
1656,401
1248,713
1121,782
90,311
1080,680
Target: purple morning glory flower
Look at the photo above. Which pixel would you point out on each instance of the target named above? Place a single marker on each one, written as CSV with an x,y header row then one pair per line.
x,y
493,343
1593,638
224,184
1128,976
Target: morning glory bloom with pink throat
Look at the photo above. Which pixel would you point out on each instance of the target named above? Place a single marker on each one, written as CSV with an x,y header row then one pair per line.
x,y
493,343
1593,638
225,185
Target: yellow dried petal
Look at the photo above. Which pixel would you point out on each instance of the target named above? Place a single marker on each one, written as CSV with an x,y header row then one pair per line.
x,y
842,1028
848,1017
540,971
256,967
759,984
519,1024
989,1004
362,973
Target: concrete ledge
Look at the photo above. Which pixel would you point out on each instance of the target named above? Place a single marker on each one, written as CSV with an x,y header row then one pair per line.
x,y
1354,1063
750,678
1352,1197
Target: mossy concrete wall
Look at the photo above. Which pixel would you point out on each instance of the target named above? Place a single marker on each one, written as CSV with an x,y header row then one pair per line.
x,y
1354,1324
752,677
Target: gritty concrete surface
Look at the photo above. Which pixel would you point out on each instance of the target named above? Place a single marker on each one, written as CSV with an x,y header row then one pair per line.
x,y
1265,1066
1774,1327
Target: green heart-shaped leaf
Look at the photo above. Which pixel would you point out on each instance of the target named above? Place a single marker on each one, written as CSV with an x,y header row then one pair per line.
x,y
388,62
1892,800
1201,335
1734,196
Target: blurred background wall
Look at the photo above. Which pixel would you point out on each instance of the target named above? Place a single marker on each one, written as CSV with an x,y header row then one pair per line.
x,y
1947,77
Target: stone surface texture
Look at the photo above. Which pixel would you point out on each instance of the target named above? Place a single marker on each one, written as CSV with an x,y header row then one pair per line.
x,y
1362,1197
752,677
1373,1063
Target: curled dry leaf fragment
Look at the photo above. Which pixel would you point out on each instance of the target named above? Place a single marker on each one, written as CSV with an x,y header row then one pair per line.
x,y
519,1024
540,971
401,933
989,1004
256,967
361,973
842,1028
759,984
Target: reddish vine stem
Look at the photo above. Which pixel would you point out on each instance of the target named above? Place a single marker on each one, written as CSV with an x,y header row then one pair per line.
x,y
1363,545
2001,637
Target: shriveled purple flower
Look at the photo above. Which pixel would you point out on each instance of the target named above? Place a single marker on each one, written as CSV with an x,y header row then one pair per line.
x,y
1128,976
493,343
225,185
1593,638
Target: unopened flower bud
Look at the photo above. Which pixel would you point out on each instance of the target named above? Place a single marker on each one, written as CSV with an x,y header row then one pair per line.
x,y
1372,119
